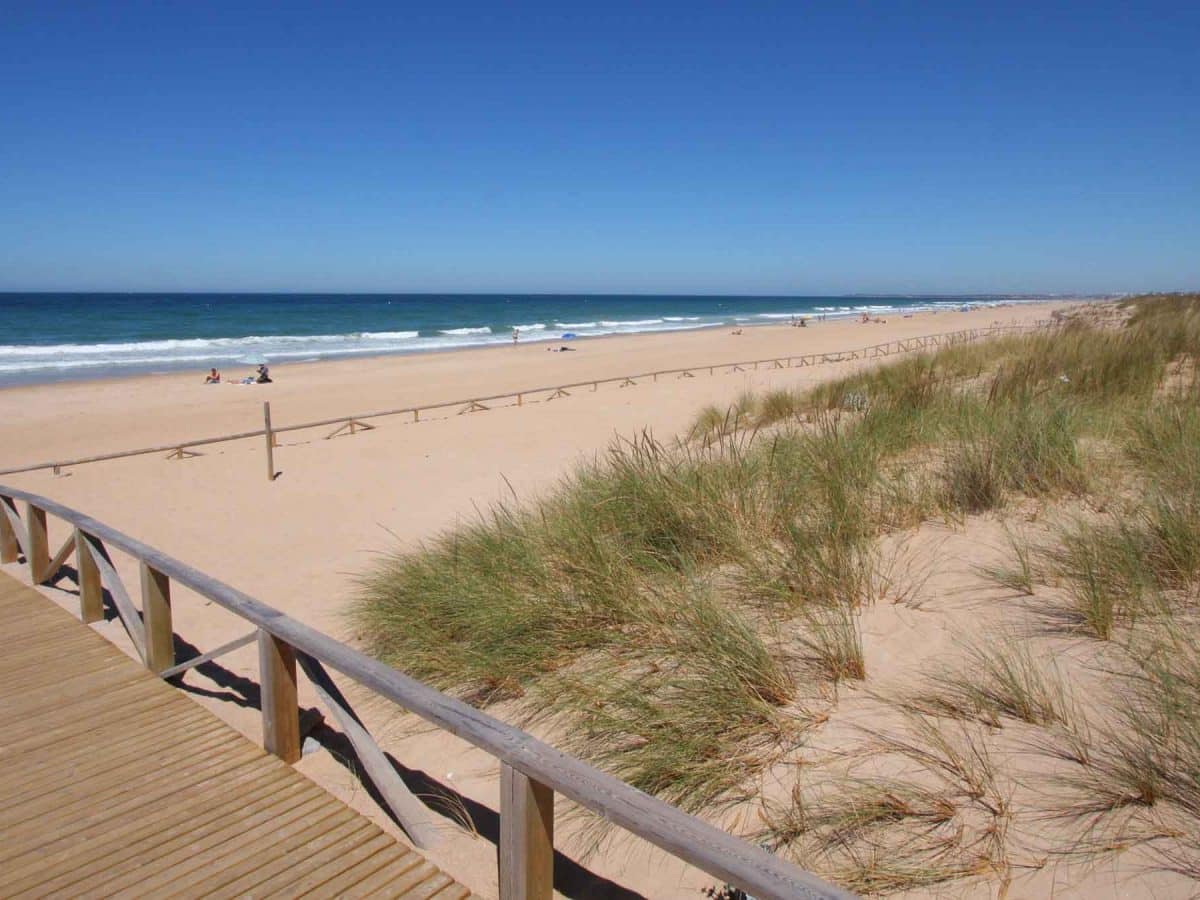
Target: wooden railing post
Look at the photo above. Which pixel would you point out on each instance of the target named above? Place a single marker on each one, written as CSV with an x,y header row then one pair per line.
x,y
91,589
280,709
37,554
270,440
156,611
10,550
526,837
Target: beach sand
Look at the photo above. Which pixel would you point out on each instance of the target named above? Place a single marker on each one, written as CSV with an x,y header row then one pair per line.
x,y
298,542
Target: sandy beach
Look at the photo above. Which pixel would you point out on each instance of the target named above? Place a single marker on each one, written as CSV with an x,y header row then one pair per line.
x,y
902,603
299,542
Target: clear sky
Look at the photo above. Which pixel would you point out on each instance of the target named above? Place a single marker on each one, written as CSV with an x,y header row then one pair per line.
x,y
642,147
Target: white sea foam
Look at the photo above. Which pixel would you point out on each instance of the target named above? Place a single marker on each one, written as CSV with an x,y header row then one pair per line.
x,y
483,330
629,323
536,326
252,341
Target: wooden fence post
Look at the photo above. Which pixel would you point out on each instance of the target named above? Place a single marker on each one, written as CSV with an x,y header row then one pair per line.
x,y
91,589
10,550
156,611
37,554
526,837
280,708
270,440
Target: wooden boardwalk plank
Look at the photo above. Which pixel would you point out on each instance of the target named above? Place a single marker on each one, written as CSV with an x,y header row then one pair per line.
x,y
70,708
181,860
24,665
227,849
349,861
92,760
124,798
58,790
135,844
377,867
322,846
59,732
238,855
106,741
115,784
174,758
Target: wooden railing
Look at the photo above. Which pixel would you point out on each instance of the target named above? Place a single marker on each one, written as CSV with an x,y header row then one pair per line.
x,y
531,772
350,424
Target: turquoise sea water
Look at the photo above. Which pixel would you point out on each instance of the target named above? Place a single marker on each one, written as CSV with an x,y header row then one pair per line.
x,y
54,337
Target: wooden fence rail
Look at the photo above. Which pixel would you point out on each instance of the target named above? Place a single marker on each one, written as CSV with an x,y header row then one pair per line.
x,y
349,424
531,771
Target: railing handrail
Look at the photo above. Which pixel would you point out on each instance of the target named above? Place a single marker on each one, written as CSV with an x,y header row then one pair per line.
x,y
718,853
447,404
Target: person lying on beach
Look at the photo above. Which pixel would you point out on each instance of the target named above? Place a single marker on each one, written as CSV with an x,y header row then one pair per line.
x,y
213,377
561,349
736,331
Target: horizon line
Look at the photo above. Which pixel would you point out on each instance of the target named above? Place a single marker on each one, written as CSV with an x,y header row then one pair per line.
x,y
768,294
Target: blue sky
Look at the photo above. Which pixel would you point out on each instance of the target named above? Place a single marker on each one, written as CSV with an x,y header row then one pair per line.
x,y
643,147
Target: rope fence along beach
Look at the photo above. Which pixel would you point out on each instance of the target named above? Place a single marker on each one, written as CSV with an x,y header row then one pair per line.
x,y
351,424
531,772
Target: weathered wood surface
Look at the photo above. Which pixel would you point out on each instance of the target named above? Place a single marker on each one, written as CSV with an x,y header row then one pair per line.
x,y
85,815
526,837
12,532
91,587
280,713
37,551
210,655
156,612
414,817
270,435
116,589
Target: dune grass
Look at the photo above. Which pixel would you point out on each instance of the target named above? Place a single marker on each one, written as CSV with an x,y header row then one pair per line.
x,y
681,613
1136,774
1021,574
997,678
945,820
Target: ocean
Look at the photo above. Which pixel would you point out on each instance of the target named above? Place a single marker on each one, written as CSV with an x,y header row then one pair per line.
x,y
56,337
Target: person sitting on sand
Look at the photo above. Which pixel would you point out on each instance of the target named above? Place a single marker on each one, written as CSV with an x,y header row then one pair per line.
x,y
864,319
213,377
264,376
736,331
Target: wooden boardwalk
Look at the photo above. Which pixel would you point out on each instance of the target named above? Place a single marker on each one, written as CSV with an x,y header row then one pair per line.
x,y
112,783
